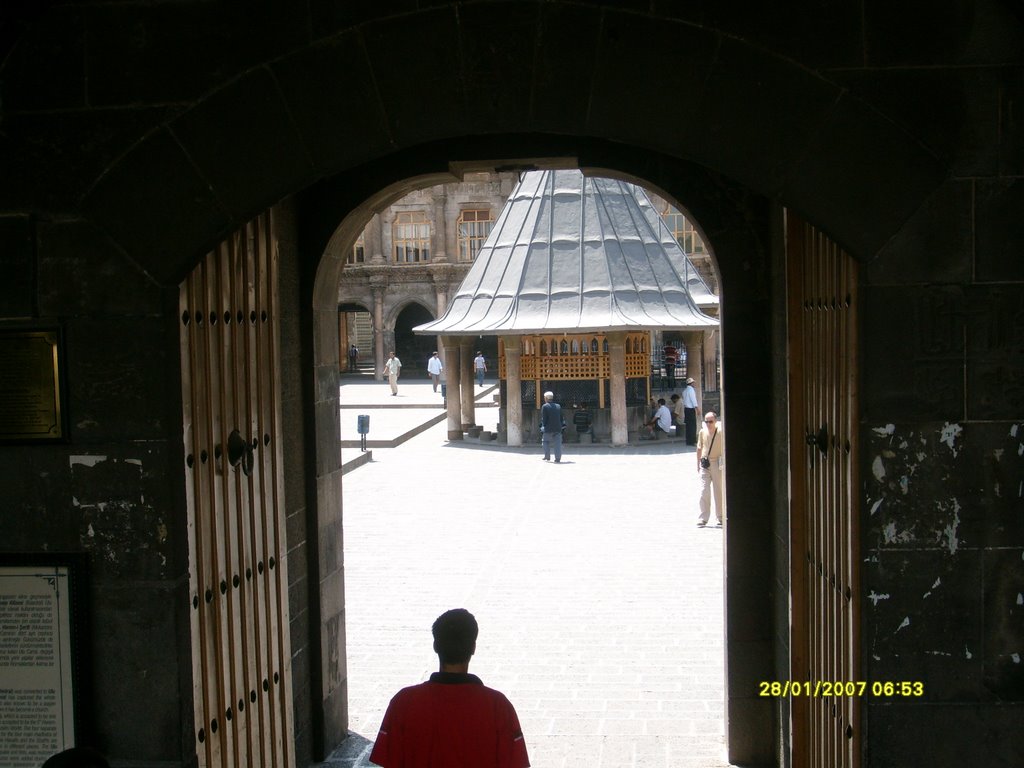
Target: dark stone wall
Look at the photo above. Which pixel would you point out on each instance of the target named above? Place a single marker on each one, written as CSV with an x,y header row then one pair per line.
x,y
111,490
135,136
942,466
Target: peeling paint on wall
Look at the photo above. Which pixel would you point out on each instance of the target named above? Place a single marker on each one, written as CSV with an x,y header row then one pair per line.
x,y
85,461
874,597
892,536
949,435
878,469
905,624
952,540
934,586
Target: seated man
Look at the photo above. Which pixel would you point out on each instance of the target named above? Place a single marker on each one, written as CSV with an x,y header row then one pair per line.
x,y
453,720
660,423
677,414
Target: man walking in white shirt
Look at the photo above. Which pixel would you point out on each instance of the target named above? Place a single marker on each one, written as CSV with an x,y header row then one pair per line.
x,y
434,368
392,367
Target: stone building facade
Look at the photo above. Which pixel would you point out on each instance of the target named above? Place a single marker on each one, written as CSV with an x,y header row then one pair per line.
x,y
408,259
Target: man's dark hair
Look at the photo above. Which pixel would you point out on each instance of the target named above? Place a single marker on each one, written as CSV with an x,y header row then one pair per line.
x,y
77,757
455,634
661,401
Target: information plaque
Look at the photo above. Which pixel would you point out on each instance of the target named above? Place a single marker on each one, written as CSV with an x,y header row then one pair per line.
x,y
37,712
30,385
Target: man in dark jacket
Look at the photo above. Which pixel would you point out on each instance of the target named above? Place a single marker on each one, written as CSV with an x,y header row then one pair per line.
x,y
551,426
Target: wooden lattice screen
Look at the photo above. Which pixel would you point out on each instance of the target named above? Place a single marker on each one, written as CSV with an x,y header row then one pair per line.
x,y
237,569
822,284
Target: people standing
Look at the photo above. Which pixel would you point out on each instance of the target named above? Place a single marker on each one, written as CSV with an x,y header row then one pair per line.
x,y
453,719
480,366
392,368
690,407
434,368
353,358
711,466
551,425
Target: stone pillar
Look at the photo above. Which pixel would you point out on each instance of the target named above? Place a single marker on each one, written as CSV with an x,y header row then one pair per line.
x,y
694,362
372,242
467,353
450,355
441,277
378,287
513,390
617,372
439,245
710,370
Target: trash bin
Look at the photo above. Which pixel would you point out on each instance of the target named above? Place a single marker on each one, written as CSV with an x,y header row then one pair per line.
x,y
362,427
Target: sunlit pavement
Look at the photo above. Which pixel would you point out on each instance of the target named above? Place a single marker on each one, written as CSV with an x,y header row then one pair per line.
x,y
598,598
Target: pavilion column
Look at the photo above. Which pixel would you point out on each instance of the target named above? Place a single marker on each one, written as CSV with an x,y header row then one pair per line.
x,y
617,372
466,377
693,340
450,353
378,328
513,390
442,278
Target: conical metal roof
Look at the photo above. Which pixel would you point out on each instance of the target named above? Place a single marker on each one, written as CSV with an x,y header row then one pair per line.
x,y
575,253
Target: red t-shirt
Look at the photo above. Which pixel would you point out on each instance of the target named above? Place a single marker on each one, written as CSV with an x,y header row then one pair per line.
x,y
452,721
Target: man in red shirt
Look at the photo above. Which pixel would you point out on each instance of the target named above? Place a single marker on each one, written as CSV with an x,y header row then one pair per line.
x,y
453,720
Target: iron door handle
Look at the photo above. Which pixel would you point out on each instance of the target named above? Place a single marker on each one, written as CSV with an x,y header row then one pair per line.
x,y
820,440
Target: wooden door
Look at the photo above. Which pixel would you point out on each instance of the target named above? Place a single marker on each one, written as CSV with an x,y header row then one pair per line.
x,y
237,568
824,575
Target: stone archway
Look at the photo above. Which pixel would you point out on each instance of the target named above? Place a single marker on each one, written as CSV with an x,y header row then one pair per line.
x,y
413,350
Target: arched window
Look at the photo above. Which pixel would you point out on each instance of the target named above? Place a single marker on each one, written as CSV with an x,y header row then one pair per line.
x,y
593,346
575,347
543,347
565,347
605,346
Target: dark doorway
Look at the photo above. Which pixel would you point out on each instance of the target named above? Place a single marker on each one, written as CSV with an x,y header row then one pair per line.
x,y
411,349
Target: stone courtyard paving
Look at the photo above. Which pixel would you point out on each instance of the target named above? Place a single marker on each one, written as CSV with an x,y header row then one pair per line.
x,y
599,600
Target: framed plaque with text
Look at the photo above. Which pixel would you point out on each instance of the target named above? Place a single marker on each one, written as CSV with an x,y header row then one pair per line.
x,y
41,634
31,394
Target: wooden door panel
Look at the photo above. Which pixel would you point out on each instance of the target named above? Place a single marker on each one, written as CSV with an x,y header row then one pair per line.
x,y
822,352
230,388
